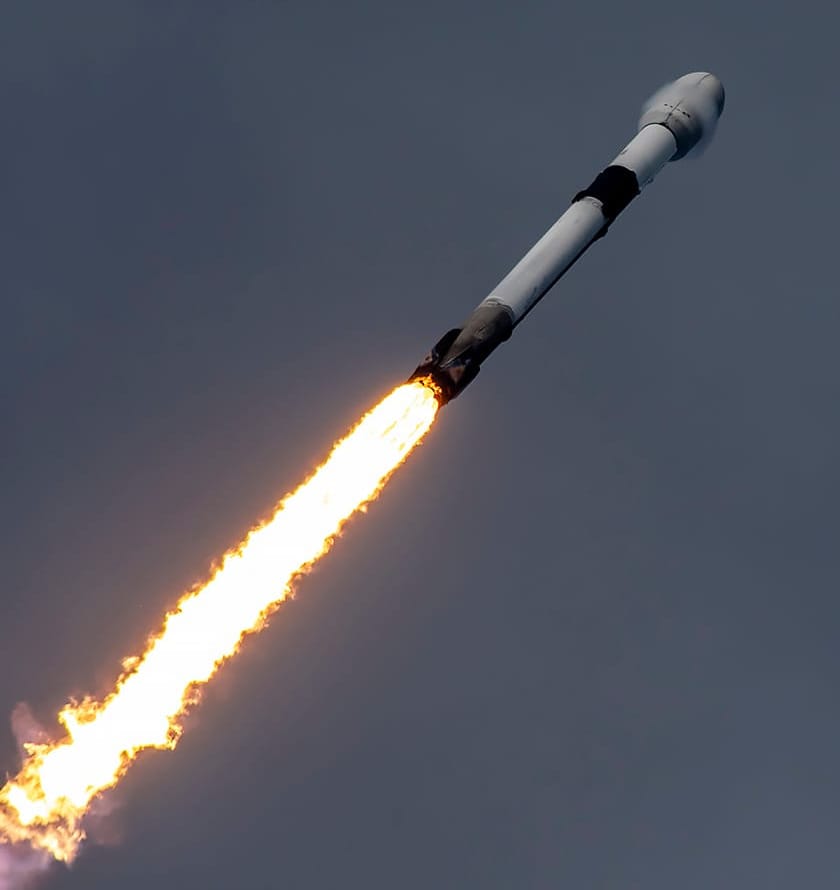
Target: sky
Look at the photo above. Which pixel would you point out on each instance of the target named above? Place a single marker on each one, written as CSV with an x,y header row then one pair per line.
x,y
587,636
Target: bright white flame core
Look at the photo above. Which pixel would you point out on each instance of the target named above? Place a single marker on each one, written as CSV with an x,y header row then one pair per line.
x,y
45,803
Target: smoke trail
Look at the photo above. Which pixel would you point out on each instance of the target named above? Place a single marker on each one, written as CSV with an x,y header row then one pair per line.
x,y
20,867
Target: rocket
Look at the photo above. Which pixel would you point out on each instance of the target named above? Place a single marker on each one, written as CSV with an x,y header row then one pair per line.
x,y
679,119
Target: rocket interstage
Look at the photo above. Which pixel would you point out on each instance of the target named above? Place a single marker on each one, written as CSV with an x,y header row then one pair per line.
x,y
678,120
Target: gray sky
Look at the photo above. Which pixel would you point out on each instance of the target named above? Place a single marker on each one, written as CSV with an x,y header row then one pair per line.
x,y
587,638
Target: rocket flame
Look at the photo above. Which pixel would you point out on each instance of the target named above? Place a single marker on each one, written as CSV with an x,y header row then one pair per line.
x,y
45,804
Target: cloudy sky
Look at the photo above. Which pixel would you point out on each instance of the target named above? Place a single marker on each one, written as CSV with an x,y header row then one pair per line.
x,y
587,637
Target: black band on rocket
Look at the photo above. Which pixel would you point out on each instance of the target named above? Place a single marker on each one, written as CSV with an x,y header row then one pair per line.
x,y
615,187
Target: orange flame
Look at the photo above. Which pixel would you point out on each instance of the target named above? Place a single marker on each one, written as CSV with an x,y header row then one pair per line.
x,y
44,805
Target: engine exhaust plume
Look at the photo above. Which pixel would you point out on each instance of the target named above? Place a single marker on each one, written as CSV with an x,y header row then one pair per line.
x,y
44,806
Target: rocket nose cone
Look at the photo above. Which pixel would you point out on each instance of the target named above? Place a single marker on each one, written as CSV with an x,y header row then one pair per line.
x,y
703,88
690,108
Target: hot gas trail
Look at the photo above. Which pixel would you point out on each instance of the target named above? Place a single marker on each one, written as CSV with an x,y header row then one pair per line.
x,y
44,805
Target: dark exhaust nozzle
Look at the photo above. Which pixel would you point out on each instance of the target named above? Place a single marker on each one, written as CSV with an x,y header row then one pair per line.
x,y
455,360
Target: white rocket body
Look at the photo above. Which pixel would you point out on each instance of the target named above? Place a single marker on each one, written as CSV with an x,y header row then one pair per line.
x,y
533,276
678,119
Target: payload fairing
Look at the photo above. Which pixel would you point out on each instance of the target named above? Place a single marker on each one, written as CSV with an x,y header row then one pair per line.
x,y
677,120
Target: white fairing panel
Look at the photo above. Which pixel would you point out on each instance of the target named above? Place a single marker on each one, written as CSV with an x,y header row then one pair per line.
x,y
690,108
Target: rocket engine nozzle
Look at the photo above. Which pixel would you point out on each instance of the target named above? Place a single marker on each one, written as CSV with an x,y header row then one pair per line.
x,y
445,383
455,360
